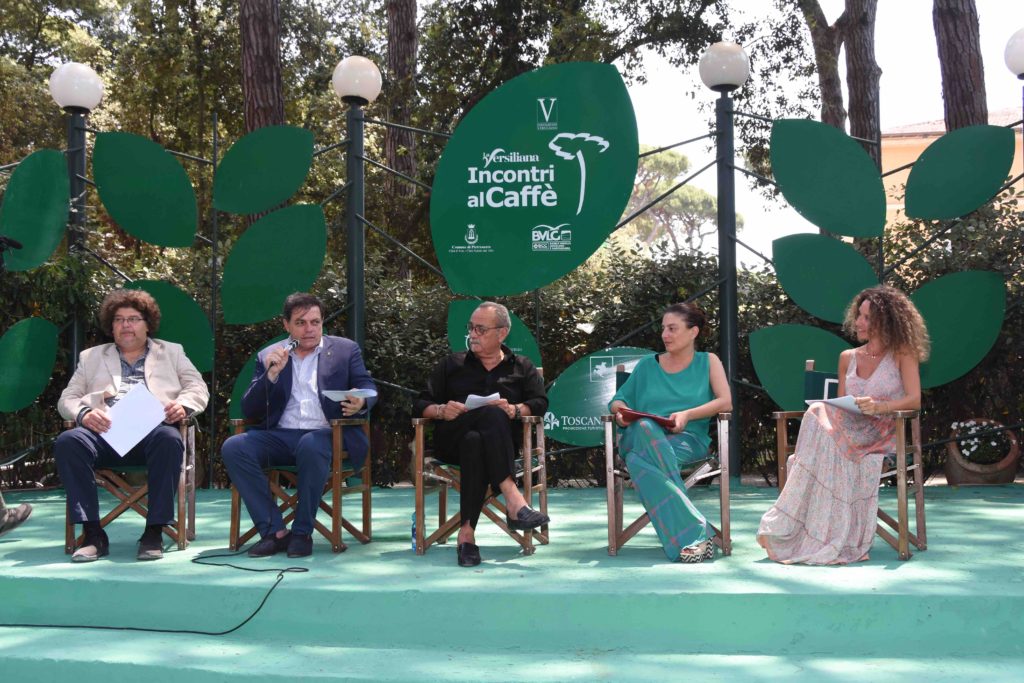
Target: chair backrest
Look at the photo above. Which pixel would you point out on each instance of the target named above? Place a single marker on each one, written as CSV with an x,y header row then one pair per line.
x,y
819,385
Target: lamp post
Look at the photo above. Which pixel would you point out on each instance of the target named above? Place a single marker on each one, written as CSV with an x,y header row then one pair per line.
x,y
357,82
76,89
1014,58
724,67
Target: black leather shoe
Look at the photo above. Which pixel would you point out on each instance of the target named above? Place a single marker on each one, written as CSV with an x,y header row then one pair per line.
x,y
301,545
270,545
469,554
93,547
527,518
151,545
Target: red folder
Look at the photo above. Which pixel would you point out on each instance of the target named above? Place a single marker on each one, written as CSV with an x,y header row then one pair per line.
x,y
628,416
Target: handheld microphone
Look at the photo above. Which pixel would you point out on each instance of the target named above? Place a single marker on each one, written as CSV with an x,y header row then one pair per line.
x,y
9,243
291,346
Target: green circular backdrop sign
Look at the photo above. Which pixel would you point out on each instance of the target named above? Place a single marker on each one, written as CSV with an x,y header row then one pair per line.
x,y
534,179
580,395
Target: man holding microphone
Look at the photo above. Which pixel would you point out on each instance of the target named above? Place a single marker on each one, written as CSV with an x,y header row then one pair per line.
x,y
286,397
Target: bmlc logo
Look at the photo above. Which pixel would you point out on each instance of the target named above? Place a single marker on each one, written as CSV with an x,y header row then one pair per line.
x,y
551,238
547,113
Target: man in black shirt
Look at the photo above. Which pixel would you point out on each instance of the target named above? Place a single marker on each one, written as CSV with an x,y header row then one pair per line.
x,y
482,441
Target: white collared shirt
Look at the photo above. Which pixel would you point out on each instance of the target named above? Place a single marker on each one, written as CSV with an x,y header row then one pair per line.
x,y
303,410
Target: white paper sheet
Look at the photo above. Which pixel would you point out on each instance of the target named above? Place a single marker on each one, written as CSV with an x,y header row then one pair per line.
x,y
341,394
473,401
132,418
848,403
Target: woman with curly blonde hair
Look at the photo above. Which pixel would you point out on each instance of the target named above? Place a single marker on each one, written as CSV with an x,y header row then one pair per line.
x,y
826,513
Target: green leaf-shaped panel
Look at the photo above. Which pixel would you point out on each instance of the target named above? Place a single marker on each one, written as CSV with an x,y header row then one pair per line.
x,y
35,208
144,189
27,353
519,339
964,313
959,172
828,177
821,274
779,354
181,321
244,379
281,253
534,179
580,395
263,169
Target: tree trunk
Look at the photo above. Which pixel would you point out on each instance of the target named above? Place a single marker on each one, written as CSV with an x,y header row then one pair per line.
x,y
863,74
260,25
826,41
400,145
963,75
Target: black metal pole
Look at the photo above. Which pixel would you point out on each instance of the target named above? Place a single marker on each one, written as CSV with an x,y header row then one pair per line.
x,y
76,212
214,282
728,322
355,243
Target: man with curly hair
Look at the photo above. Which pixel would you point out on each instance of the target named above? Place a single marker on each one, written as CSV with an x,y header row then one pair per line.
x,y
105,374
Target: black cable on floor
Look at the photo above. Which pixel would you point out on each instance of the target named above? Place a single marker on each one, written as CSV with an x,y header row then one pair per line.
x,y
195,560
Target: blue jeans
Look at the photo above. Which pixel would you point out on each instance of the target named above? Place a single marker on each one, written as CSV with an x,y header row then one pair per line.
x,y
247,455
79,452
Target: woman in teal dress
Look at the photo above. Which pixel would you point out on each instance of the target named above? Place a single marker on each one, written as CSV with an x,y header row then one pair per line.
x,y
689,387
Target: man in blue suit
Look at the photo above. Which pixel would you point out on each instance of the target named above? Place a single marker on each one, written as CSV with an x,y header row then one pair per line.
x,y
286,396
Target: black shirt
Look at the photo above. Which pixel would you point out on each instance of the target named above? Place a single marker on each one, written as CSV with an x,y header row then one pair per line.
x,y
515,379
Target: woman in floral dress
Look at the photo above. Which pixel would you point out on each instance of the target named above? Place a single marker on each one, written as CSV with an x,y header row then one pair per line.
x,y
826,513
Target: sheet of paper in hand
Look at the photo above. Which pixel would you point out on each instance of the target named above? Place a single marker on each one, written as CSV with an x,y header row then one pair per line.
x,y
473,401
847,403
132,418
342,394
630,416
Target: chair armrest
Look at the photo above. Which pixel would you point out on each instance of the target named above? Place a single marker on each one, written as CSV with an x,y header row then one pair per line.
x,y
787,414
348,421
531,419
68,424
416,421
607,418
905,414
725,417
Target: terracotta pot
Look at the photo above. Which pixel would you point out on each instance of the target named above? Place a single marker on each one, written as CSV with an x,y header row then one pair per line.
x,y
960,470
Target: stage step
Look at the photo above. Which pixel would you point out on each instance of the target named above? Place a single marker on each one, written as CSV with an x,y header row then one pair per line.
x,y
570,612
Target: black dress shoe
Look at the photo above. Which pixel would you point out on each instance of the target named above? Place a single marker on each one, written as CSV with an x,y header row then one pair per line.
x,y
301,545
270,545
527,518
469,554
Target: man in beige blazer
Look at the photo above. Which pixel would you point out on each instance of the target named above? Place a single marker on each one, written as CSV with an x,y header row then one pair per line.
x,y
105,373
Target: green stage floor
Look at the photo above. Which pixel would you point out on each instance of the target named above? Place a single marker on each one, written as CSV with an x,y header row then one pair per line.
x,y
568,613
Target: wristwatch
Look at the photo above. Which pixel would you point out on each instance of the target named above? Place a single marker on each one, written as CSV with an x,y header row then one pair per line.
x,y
519,413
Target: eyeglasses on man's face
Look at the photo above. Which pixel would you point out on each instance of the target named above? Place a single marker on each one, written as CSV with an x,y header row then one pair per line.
x,y
132,320
480,329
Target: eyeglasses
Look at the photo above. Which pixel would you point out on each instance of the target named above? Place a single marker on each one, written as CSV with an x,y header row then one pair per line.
x,y
480,329
131,320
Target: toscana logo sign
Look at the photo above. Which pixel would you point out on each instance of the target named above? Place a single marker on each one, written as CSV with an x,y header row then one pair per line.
x,y
534,179
580,395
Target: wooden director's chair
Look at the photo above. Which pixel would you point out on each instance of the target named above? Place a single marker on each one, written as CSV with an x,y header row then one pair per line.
x,y
337,486
131,497
616,474
433,476
822,385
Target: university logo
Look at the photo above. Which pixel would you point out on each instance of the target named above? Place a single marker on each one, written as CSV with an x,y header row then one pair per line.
x,y
548,238
547,113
